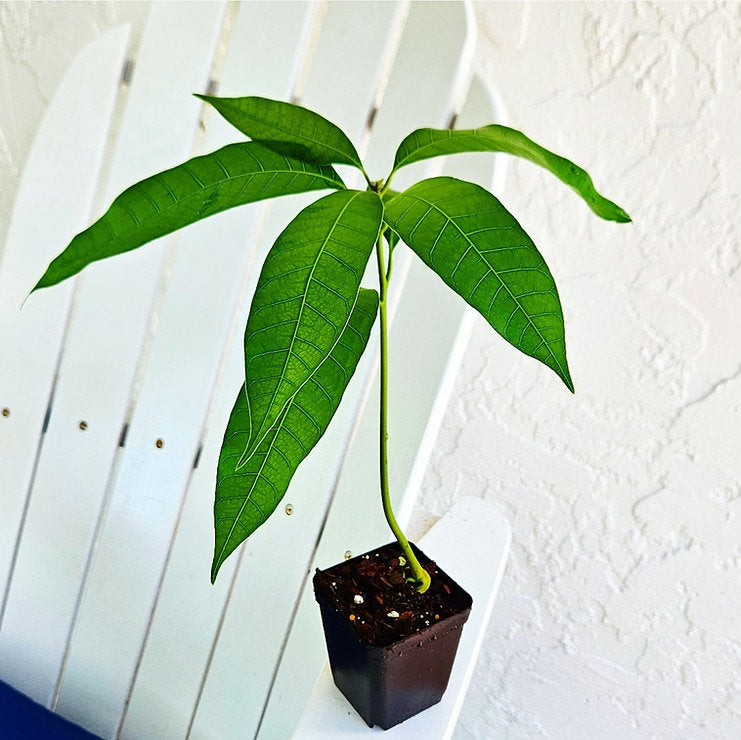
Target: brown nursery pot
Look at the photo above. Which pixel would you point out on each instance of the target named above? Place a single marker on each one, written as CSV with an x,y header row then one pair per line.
x,y
391,649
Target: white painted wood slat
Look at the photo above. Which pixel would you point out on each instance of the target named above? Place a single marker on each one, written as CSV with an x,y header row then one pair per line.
x,y
68,148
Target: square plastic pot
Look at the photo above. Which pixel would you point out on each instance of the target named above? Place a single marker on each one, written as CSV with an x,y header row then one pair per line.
x,y
388,684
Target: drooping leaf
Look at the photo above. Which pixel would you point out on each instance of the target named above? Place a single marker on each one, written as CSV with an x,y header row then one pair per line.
x,y
303,300
248,492
288,128
477,247
231,176
428,142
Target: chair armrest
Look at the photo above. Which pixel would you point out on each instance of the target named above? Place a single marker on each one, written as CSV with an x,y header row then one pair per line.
x,y
471,543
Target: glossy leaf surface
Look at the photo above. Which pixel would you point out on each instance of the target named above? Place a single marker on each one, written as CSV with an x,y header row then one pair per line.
x,y
428,142
288,128
477,247
231,176
304,298
247,492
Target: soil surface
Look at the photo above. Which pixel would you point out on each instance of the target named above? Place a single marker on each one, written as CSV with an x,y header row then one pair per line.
x,y
372,592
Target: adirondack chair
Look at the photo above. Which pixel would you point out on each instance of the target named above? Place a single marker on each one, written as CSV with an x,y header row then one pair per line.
x,y
116,386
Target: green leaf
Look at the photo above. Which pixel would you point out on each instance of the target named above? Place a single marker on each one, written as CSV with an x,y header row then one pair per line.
x,y
477,247
232,176
247,493
304,298
428,142
288,128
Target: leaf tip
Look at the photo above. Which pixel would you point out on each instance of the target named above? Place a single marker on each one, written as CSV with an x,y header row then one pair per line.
x,y
206,98
215,567
613,212
42,283
565,375
623,217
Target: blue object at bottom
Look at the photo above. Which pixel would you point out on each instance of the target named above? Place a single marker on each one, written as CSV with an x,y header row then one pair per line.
x,y
23,719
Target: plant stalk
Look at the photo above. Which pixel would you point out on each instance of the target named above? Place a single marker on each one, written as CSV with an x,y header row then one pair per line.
x,y
421,576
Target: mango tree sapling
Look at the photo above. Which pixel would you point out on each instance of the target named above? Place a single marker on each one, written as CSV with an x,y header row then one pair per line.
x,y
310,319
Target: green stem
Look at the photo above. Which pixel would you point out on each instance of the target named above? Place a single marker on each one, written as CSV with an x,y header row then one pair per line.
x,y
386,184
421,576
390,265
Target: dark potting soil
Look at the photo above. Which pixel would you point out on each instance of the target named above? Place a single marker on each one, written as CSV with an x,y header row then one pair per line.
x,y
373,594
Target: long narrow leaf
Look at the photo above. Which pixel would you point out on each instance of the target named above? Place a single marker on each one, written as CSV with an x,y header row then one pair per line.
x,y
288,128
477,247
232,176
304,298
248,492
428,142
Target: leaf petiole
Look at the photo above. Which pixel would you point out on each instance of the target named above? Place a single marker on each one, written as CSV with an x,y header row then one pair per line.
x,y
386,184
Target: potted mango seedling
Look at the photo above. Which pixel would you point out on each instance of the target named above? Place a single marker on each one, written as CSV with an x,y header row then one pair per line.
x,y
392,617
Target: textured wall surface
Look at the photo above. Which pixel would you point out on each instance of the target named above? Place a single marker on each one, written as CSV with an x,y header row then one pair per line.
x,y
618,614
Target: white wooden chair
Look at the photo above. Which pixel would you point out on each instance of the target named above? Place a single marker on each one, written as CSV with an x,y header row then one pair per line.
x,y
115,387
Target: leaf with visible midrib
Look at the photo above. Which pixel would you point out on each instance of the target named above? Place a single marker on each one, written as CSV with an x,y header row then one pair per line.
x,y
429,142
303,300
232,176
247,495
477,247
288,128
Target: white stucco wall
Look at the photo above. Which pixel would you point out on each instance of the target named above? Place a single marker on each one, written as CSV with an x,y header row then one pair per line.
x,y
618,613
